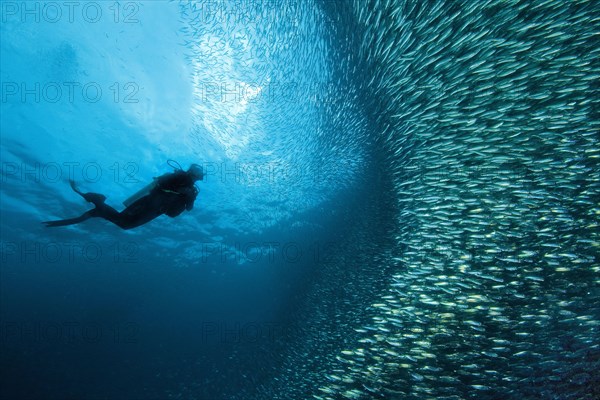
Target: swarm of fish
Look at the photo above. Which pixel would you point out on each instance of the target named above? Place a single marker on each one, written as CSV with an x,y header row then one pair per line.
x,y
480,245
489,116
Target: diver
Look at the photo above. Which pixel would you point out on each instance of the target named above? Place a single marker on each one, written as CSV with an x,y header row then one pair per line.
x,y
169,194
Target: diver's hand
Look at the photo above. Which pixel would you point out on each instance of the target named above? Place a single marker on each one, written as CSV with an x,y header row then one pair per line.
x,y
190,196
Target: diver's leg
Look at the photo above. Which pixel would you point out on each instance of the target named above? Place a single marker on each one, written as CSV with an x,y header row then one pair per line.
x,y
103,211
95,198
138,213
125,219
143,210
70,221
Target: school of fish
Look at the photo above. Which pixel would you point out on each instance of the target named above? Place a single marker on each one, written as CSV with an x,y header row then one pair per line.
x,y
479,249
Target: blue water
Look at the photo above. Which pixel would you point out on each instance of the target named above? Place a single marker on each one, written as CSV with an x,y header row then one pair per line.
x,y
372,223
199,305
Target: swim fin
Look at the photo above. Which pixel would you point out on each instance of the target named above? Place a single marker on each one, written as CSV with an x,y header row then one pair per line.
x,y
70,221
90,197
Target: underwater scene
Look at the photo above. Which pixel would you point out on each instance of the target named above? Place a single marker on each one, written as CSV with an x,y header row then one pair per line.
x,y
300,199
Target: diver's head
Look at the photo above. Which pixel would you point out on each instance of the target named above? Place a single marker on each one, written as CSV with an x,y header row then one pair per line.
x,y
196,172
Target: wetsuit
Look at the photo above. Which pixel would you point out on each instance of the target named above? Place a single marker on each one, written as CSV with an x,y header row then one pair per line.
x,y
172,194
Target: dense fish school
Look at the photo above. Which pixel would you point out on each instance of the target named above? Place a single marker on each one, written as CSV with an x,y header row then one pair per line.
x,y
477,274
490,124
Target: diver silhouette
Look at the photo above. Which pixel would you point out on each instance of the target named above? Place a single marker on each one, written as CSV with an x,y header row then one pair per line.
x,y
169,194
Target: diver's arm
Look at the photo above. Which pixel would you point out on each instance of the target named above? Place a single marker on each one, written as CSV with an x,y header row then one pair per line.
x,y
175,210
190,194
180,201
